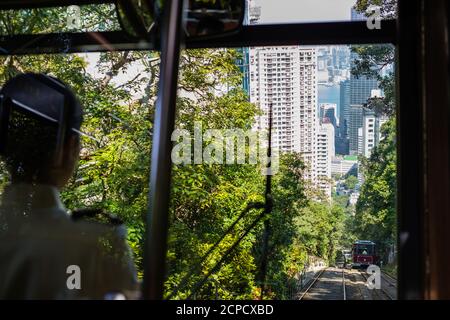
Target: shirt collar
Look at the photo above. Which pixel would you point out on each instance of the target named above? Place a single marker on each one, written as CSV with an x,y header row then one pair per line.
x,y
39,196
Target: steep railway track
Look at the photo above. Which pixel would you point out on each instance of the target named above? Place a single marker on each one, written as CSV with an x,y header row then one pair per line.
x,y
388,290
329,284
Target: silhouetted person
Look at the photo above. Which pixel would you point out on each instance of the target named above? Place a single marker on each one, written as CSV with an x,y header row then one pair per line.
x,y
45,253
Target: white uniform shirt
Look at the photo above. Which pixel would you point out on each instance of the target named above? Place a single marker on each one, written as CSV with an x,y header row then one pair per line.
x,y
42,249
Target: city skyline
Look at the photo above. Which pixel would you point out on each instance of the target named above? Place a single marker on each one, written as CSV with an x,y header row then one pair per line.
x,y
292,81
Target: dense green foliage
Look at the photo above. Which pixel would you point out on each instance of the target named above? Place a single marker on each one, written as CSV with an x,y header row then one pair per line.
x,y
375,217
351,182
376,208
388,8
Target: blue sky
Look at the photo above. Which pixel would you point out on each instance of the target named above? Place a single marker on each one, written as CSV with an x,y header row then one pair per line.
x,y
279,11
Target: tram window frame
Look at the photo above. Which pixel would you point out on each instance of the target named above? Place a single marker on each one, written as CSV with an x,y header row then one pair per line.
x,y
321,33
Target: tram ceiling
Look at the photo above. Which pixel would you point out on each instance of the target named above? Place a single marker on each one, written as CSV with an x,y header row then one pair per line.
x,y
145,34
260,35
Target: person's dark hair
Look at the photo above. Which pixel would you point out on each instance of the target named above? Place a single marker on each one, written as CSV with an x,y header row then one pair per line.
x,y
30,142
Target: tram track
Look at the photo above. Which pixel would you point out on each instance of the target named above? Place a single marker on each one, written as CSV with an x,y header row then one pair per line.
x,y
391,283
382,292
390,279
311,284
329,284
343,284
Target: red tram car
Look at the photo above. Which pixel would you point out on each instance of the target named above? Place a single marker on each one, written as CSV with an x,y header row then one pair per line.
x,y
363,254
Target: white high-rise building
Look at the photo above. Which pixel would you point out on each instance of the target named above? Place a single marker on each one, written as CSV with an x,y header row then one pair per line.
x,y
286,78
371,127
360,140
368,132
325,154
371,131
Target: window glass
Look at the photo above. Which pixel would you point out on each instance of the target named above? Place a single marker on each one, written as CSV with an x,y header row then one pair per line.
x,y
331,183
335,182
78,222
86,18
